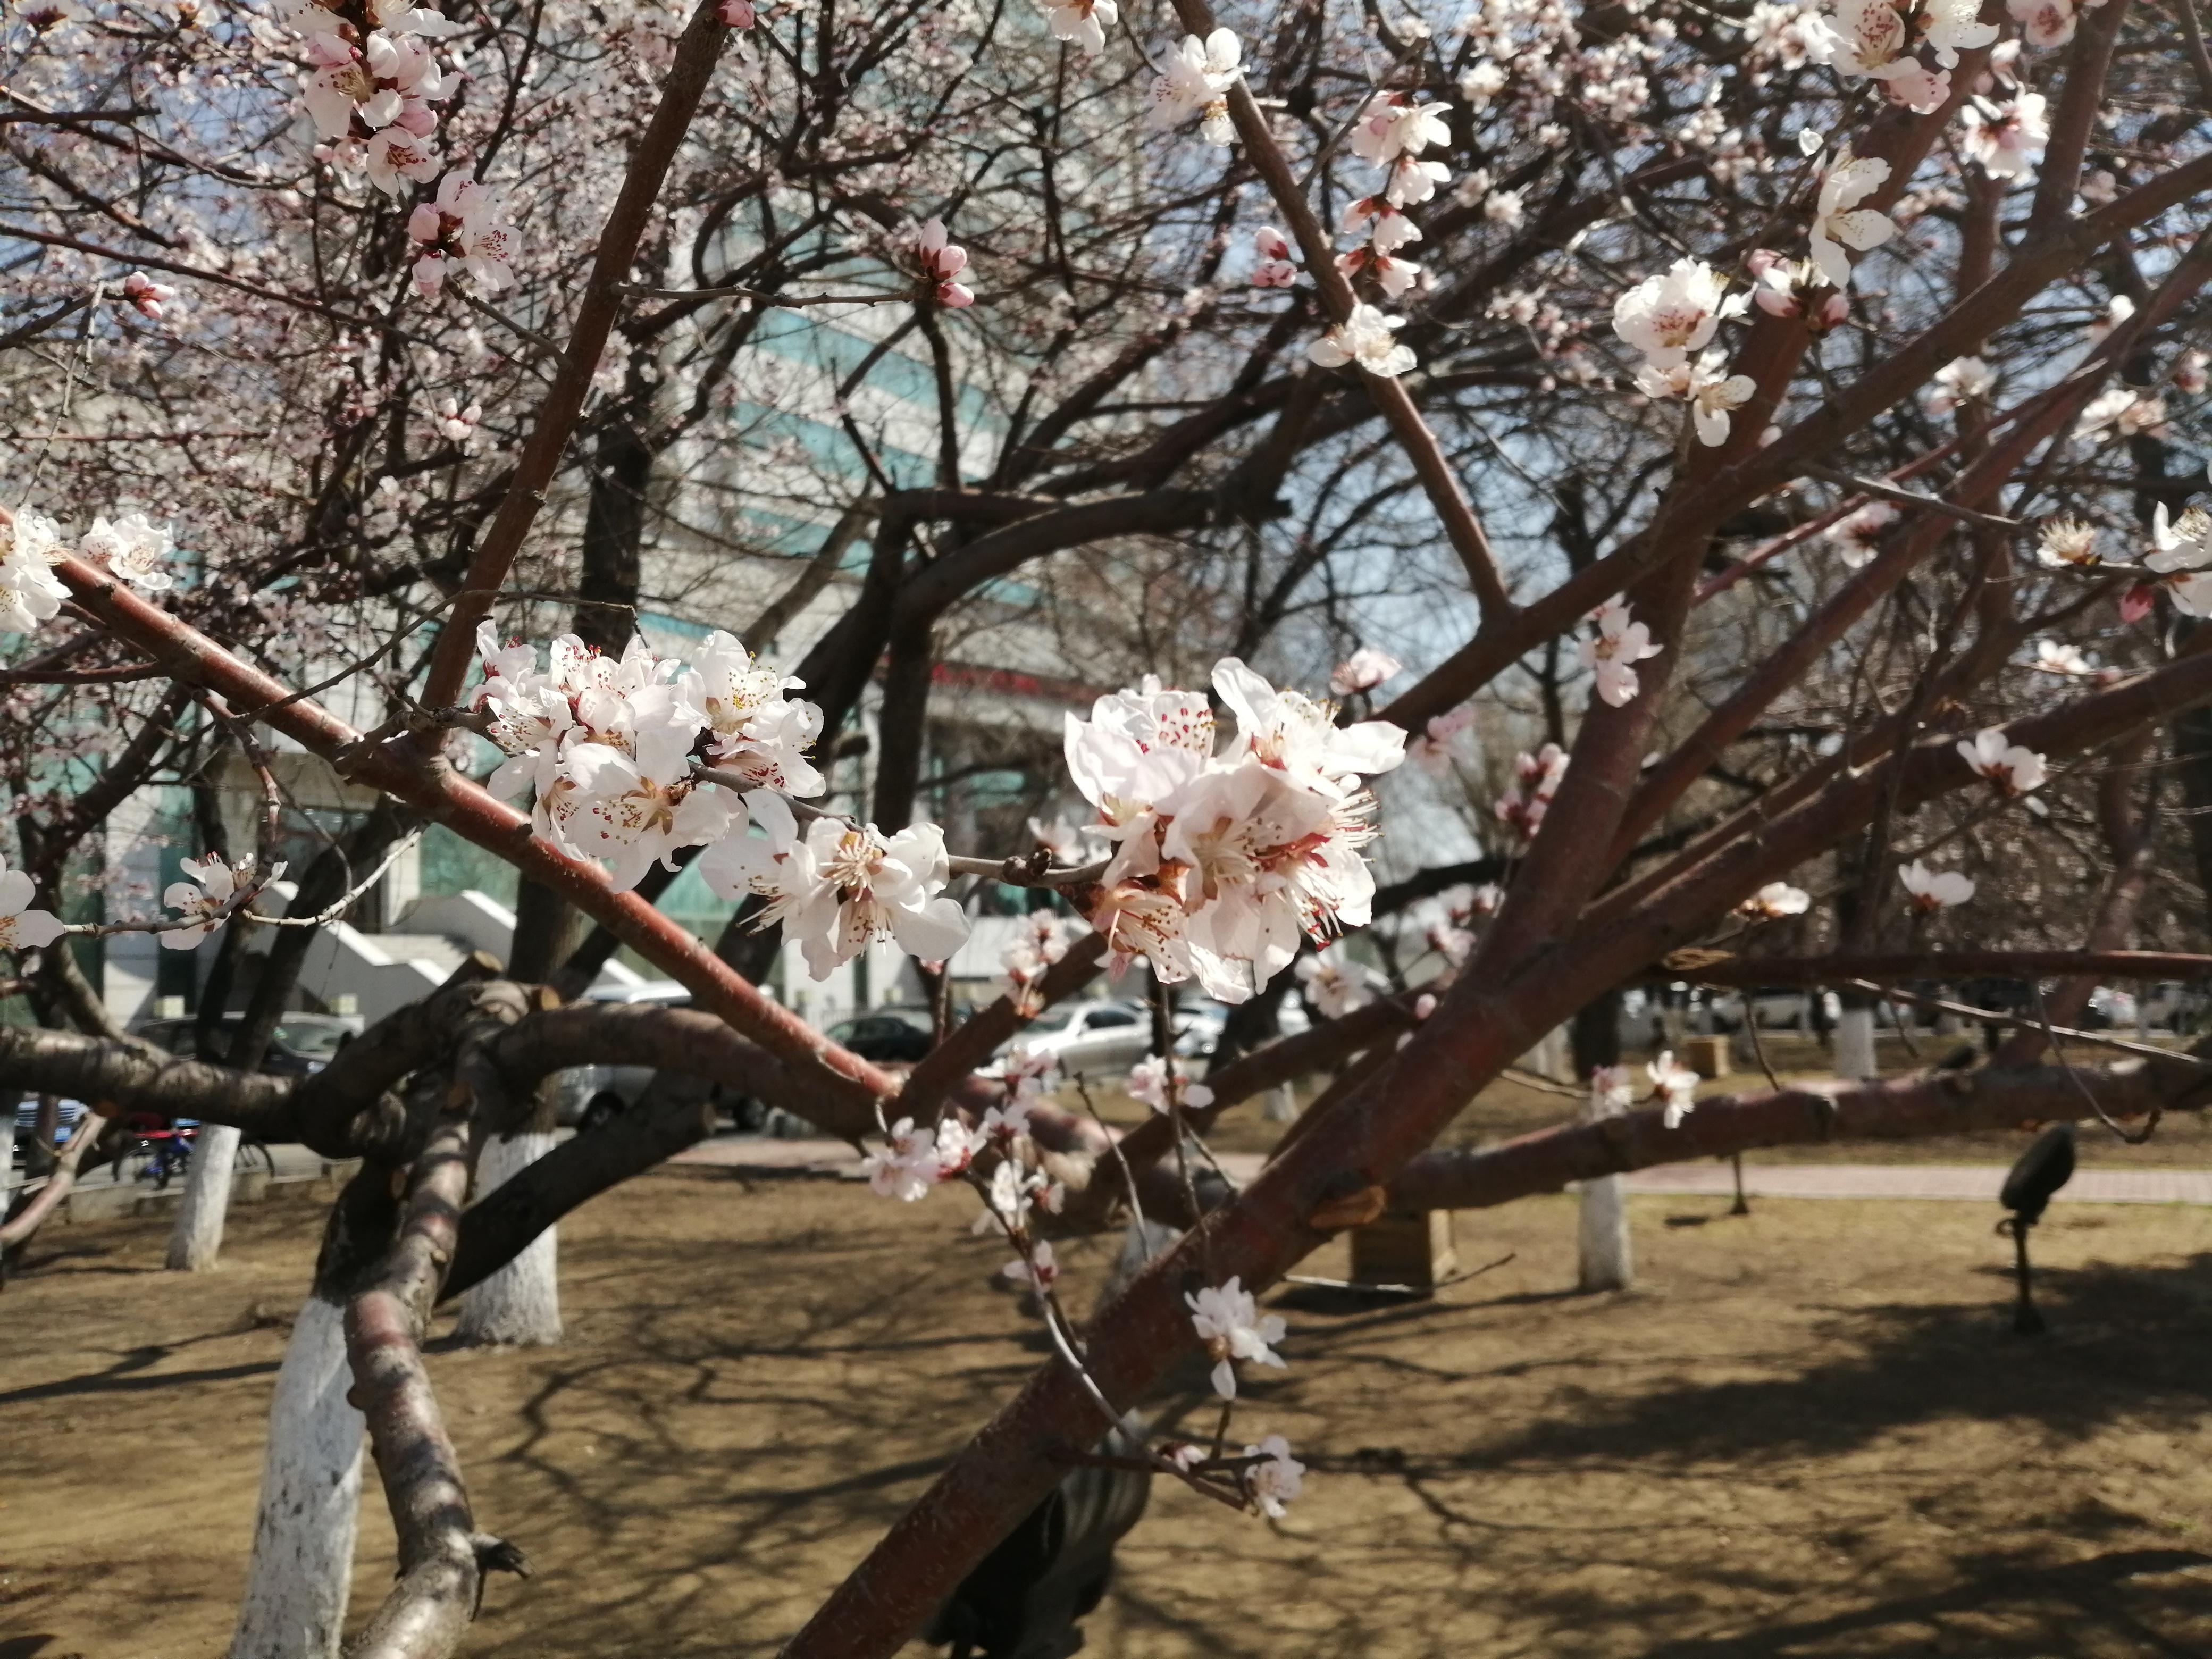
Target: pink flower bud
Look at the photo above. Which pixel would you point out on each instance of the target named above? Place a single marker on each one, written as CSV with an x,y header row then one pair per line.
x,y
737,13
424,224
1775,302
954,295
1834,309
2135,603
1761,259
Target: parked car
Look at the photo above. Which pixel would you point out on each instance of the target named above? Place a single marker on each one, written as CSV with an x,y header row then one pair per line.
x,y
585,1096
2175,1006
1198,1021
1090,1040
2110,1010
1775,1007
70,1113
889,1036
303,1044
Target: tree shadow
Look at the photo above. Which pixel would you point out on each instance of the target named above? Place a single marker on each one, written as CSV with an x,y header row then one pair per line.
x,y
2055,1610
2123,1341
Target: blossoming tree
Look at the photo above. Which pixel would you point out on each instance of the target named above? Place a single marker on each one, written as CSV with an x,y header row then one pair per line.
x,y
1793,402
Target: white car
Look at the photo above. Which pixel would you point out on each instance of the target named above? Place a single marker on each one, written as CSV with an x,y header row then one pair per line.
x,y
1198,1021
1096,1042
585,1096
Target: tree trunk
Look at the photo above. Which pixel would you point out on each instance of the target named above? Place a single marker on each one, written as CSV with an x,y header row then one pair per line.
x,y
1607,1257
1855,1060
301,1570
196,1239
520,1305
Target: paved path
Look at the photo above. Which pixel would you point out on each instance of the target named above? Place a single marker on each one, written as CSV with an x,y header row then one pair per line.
x,y
1978,1182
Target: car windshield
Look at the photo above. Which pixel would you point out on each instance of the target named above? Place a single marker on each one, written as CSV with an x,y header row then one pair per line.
x,y
311,1038
1053,1019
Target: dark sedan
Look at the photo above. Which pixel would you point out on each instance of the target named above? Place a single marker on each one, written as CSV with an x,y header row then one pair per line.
x,y
304,1043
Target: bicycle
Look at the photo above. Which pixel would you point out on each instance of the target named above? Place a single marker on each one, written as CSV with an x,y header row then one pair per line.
x,y
159,1151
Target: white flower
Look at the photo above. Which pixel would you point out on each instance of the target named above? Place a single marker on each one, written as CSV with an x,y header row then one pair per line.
x,y
2117,310
30,592
1838,221
906,1167
1395,123
132,549
1289,731
1274,268
2007,139
1857,534
1413,182
1453,944
2014,768
1394,276
2057,656
1930,889
1676,1083
22,928
397,159
1196,82
2044,23
2068,542
1775,900
635,809
756,730
1228,1320
1275,1481
1865,38
1712,394
1621,643
1963,380
202,907
1041,1271
2180,544
859,887
1368,339
146,297
1083,22
1668,318
2190,373
1148,1082
1434,751
2126,410
1506,207
1333,987
1612,1090
1951,27
1364,669
773,865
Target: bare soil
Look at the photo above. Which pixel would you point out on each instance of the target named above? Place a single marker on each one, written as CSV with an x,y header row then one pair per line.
x,y
1809,1432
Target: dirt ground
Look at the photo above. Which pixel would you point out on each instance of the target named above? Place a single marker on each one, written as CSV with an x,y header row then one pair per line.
x,y
1808,1432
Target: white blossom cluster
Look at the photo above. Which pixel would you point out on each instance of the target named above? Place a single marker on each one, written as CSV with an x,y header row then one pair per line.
x,y
134,549
1221,859
371,100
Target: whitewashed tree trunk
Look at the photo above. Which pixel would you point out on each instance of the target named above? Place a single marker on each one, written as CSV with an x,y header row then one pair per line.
x,y
303,1534
1607,1262
196,1239
1280,1104
1855,1058
520,1305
